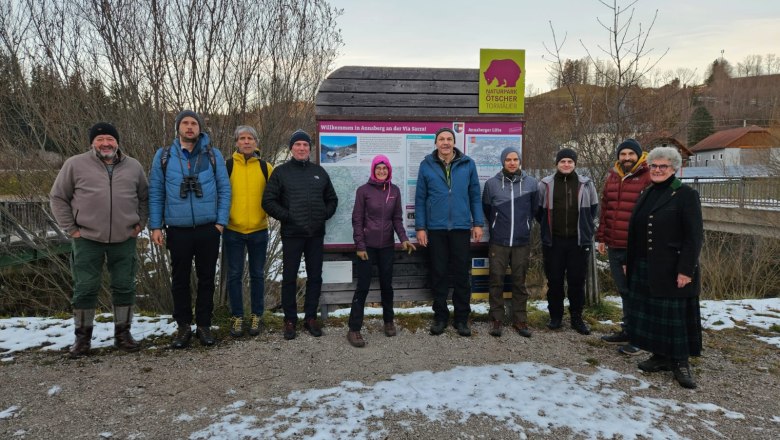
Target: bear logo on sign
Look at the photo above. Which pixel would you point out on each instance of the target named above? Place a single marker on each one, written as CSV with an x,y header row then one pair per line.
x,y
507,72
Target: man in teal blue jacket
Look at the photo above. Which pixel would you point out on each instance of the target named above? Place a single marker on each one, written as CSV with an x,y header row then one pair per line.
x,y
448,212
189,197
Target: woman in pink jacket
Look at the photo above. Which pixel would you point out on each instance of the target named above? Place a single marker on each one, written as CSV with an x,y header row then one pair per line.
x,y
376,215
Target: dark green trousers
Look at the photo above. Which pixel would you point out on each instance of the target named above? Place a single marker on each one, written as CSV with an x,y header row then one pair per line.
x,y
87,268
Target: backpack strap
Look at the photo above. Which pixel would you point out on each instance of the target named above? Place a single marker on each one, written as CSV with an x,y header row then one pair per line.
x,y
263,167
164,156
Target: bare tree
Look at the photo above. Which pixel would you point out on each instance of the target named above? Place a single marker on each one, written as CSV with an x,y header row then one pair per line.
x,y
65,64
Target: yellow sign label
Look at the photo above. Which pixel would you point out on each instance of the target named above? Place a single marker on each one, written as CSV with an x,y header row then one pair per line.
x,y
502,81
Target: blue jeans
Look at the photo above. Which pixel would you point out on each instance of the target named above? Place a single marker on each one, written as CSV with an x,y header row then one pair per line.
x,y
255,244
617,259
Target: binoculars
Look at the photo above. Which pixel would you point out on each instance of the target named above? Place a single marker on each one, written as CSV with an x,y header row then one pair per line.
x,y
190,184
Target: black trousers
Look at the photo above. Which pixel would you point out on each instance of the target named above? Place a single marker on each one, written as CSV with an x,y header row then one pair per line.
x,y
184,244
450,256
383,258
565,260
292,250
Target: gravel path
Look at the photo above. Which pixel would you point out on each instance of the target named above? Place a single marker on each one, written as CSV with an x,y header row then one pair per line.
x,y
162,394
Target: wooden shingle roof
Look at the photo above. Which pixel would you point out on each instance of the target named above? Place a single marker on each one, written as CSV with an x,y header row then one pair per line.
x,y
402,93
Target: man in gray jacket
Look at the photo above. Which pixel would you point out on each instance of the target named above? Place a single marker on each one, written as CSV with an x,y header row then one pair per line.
x,y
100,199
510,200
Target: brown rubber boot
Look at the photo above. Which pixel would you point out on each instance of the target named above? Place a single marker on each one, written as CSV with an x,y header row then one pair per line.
x,y
83,320
123,340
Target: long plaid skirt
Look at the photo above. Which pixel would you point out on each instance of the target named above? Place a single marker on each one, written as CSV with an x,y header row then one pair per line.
x,y
667,326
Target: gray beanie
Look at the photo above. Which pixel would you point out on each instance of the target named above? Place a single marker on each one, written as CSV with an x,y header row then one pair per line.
x,y
508,150
192,114
631,144
442,130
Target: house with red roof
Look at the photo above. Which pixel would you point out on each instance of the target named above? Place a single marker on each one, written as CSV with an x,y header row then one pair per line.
x,y
750,145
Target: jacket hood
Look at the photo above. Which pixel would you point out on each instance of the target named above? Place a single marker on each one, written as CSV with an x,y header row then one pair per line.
x,y
639,164
380,158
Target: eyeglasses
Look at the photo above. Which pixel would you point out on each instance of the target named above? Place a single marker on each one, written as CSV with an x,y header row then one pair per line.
x,y
662,167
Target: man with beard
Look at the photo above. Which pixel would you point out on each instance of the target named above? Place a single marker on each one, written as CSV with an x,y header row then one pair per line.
x,y
625,182
100,199
189,196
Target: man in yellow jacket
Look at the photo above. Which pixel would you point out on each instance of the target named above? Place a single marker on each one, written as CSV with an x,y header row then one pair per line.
x,y
247,230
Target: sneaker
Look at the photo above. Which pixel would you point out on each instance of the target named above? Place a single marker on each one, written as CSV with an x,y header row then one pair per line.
x,y
390,329
438,327
236,326
256,325
205,336
462,328
495,329
182,337
620,337
355,339
313,327
555,323
522,329
289,330
683,374
629,350
655,363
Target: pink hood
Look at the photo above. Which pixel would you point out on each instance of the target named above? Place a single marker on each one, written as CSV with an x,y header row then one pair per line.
x,y
381,158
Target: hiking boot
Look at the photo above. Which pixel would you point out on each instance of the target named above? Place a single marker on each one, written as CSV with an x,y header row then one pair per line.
x,y
83,343
289,330
256,325
655,363
355,339
390,329
629,350
683,374
579,325
555,323
236,326
438,327
205,336
462,328
522,329
495,329
123,340
313,327
620,337
182,337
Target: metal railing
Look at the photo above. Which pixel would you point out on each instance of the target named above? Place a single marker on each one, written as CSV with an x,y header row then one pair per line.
x,y
743,192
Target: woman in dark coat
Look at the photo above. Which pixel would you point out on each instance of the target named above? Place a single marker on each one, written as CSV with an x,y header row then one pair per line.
x,y
664,241
376,215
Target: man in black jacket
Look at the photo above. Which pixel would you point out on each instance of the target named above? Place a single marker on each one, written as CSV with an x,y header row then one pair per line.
x,y
301,196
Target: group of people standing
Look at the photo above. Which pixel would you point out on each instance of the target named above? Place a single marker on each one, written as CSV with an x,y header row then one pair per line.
x,y
194,197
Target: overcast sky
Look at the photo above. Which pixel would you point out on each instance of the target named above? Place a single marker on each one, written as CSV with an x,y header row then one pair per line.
x,y
438,33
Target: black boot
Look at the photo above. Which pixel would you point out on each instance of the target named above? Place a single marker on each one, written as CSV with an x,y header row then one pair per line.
x,y
683,374
555,323
579,325
656,362
205,336
182,337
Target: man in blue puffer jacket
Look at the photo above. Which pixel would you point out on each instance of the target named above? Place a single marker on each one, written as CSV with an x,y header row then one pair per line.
x,y
448,212
189,196
510,200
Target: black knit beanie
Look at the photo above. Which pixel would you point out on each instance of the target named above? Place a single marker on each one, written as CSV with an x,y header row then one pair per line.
x,y
566,153
299,135
631,144
102,128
